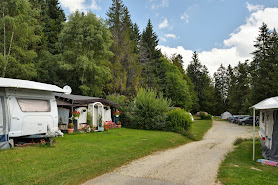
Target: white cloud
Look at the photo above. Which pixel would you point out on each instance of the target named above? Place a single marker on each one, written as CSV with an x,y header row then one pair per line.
x,y
94,5
163,24
169,35
243,38
252,8
161,4
237,48
212,59
80,5
185,17
73,5
163,39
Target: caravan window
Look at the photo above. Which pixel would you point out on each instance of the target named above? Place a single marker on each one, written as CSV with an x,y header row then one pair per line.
x,y
31,105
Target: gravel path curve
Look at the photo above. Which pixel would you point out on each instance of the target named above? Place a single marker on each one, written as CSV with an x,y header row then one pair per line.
x,y
193,163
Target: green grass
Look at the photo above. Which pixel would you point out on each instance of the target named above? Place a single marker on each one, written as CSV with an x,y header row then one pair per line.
x,y
77,158
199,128
236,168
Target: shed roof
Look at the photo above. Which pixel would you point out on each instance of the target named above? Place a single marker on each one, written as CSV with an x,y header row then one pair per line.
x,y
78,99
269,103
26,84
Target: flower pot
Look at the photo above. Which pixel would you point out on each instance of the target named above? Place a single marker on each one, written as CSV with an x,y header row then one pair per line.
x,y
119,126
70,130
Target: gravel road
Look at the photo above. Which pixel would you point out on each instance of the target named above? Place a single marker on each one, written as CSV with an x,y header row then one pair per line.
x,y
193,163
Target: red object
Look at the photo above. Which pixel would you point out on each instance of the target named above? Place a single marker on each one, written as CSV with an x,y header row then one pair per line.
x,y
263,138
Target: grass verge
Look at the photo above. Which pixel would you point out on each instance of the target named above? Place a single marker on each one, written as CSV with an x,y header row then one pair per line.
x,y
239,168
199,128
77,158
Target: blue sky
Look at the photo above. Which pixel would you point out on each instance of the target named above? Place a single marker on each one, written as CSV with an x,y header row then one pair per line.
x,y
221,31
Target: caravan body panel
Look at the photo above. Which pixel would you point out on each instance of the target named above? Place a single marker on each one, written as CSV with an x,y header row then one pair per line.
x,y
31,112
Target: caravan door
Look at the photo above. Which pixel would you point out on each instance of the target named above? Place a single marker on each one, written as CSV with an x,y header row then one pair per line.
x,y
4,138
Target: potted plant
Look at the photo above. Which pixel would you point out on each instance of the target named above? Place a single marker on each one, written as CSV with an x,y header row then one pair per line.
x,y
70,128
119,124
117,113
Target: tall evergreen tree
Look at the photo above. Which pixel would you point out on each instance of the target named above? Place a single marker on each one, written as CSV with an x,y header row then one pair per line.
x,y
149,57
221,82
261,66
239,95
124,66
202,83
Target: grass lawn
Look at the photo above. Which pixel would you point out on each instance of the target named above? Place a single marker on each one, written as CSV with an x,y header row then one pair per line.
x,y
237,167
199,128
77,158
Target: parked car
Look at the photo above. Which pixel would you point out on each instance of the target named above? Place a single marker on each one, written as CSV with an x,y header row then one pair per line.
x,y
230,119
249,120
236,120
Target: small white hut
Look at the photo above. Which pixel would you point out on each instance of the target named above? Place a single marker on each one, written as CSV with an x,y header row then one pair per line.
x,y
225,115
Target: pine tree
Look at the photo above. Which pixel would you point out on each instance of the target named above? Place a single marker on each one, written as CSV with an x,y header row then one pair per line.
x,y
261,66
221,82
149,57
125,69
202,83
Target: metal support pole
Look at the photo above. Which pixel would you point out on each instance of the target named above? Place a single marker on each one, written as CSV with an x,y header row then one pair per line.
x,y
254,122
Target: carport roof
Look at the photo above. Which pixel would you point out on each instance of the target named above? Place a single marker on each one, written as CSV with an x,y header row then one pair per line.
x,y
78,99
269,103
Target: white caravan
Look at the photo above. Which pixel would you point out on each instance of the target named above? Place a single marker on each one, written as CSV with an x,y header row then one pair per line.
x,y
27,109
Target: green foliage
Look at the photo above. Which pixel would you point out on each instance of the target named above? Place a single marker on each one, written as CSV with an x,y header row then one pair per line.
x,y
149,109
178,118
205,116
21,34
239,90
124,67
199,76
173,85
84,43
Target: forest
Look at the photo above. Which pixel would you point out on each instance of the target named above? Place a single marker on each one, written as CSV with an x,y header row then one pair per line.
x,y
110,56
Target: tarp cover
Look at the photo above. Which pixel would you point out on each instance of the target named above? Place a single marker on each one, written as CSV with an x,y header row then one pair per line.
x,y
225,115
4,139
269,103
272,154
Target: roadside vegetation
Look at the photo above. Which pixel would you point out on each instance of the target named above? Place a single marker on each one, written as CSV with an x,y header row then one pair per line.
x,y
239,168
76,158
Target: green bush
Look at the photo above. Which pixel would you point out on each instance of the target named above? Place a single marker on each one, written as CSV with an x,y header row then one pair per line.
x,y
148,110
205,116
178,118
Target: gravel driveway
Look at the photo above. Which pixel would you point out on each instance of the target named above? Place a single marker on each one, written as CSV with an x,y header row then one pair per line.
x,y
193,163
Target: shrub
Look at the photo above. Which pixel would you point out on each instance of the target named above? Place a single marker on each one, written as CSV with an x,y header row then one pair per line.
x,y
109,125
178,118
205,116
124,102
148,109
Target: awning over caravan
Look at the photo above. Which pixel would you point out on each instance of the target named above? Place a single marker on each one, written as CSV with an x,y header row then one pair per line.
x,y
269,103
25,84
81,100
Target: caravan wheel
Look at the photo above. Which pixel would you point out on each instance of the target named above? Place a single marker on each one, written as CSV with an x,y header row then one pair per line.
x,y
243,123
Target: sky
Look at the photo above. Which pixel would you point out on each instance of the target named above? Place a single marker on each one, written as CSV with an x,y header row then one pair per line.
x,y
220,31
